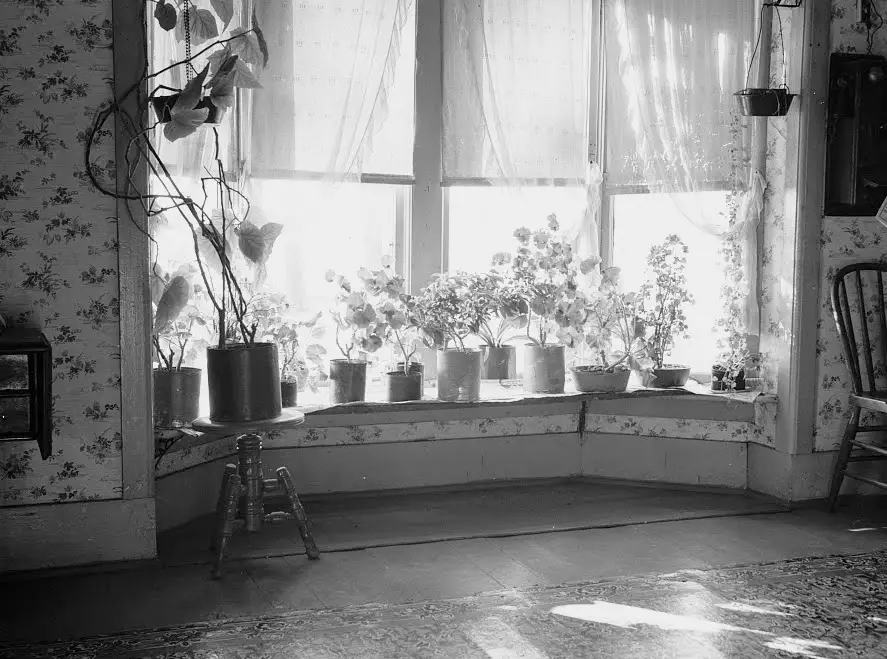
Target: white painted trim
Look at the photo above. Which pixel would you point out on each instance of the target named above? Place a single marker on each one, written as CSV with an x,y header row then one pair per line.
x,y
76,533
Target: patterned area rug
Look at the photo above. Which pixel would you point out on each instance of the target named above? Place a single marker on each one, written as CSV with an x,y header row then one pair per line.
x,y
828,607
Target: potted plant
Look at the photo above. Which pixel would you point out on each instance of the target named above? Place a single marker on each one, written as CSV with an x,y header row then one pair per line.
x,y
547,276
728,372
507,313
403,382
610,318
177,337
359,331
243,373
663,297
448,314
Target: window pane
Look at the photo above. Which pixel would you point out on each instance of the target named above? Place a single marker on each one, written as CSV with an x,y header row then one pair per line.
x,y
483,219
644,220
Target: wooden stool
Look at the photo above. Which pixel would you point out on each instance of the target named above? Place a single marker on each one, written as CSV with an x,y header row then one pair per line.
x,y
244,486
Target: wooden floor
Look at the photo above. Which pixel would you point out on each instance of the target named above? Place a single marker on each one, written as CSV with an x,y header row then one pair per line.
x,y
734,534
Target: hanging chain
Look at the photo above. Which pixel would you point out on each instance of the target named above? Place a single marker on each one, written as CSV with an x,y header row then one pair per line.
x,y
189,68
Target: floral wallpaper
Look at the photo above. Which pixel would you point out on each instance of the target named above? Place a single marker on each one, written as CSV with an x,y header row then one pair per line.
x,y
843,240
58,242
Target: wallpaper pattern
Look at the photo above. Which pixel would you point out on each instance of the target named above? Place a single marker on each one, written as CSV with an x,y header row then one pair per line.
x,y
58,242
843,240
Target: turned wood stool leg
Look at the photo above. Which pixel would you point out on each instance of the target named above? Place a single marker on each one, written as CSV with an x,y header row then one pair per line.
x,y
221,508
231,488
302,522
249,450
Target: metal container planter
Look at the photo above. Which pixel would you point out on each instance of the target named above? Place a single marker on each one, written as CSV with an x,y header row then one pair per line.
x,y
670,375
401,387
599,379
544,369
499,362
176,397
348,381
244,382
717,380
458,375
289,393
758,102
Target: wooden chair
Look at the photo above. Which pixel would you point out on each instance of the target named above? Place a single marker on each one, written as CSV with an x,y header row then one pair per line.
x,y
858,304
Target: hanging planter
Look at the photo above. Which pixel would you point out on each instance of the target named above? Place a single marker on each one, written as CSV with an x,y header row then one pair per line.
x,y
163,106
764,102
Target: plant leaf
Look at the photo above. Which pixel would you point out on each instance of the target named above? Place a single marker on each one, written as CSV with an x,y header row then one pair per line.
x,y
255,243
189,97
246,44
260,37
202,24
171,303
166,15
225,10
243,77
185,118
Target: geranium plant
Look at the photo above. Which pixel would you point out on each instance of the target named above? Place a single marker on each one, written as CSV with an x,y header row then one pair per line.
x,y
448,312
548,277
387,293
613,333
664,295
359,328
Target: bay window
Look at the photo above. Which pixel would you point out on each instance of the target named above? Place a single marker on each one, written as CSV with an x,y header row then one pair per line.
x,y
427,131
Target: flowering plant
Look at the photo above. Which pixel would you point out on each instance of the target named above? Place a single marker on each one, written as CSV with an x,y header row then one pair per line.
x,y
387,293
358,327
448,309
547,277
612,318
663,297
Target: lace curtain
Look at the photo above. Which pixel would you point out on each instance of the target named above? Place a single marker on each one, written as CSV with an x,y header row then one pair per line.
x,y
672,125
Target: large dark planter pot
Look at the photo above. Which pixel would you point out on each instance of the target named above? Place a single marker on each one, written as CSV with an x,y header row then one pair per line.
x,y
163,109
289,393
756,102
458,375
670,376
596,379
176,397
544,369
400,386
499,362
348,381
717,380
244,382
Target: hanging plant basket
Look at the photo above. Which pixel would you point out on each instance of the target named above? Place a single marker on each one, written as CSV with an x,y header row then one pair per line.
x,y
755,102
163,109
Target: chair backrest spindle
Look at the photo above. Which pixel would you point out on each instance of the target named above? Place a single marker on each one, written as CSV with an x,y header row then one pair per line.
x,y
864,328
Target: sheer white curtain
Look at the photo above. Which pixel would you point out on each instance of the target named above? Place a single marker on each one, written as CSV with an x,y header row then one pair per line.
x,y
325,92
672,67
516,95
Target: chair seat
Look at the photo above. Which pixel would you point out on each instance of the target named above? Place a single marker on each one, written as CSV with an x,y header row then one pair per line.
x,y
876,401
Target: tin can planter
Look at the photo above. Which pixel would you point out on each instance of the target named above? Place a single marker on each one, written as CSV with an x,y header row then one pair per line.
x,y
600,380
244,382
544,369
348,381
289,393
176,397
717,380
401,387
499,362
670,375
163,106
458,375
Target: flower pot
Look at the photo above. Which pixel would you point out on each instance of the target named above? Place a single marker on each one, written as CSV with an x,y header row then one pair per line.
x,y
717,380
544,369
499,362
163,109
670,375
458,375
289,393
176,397
348,381
598,379
244,382
402,386
764,102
